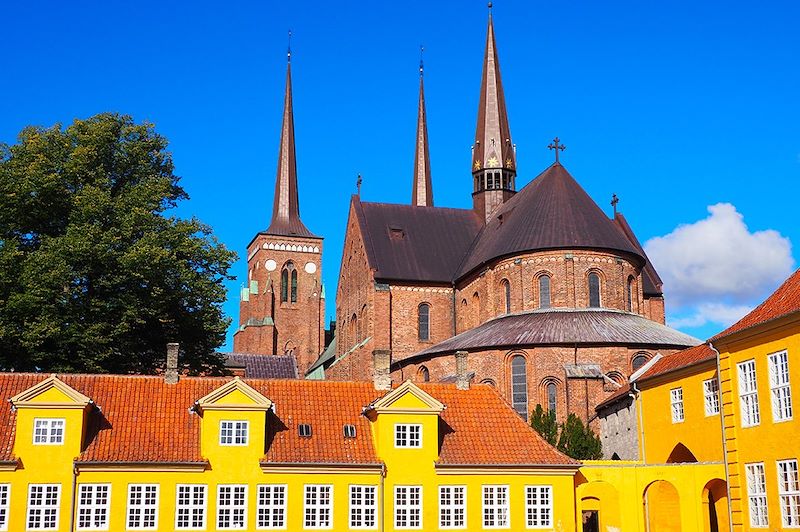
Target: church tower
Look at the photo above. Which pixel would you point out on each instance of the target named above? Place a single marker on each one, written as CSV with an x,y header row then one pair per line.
x,y
282,308
422,192
494,166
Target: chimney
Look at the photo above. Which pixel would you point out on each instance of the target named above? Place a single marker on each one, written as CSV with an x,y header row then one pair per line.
x,y
462,375
381,372
171,371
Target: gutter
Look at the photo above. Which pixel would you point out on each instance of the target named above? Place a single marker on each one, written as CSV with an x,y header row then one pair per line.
x,y
575,466
722,430
73,497
104,464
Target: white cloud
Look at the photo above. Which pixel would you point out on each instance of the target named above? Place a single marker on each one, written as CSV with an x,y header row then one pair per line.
x,y
710,313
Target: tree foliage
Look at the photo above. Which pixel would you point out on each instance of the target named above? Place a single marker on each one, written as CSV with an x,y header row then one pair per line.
x,y
571,437
95,274
545,424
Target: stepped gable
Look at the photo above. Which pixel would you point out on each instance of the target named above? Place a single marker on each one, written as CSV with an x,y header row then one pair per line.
x,y
551,212
414,243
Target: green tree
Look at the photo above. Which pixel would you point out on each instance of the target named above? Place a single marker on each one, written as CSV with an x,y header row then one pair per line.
x,y
545,424
95,274
578,440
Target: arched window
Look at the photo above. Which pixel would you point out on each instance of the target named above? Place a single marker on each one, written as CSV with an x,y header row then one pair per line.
x,y
507,295
544,291
424,322
284,285
489,382
354,330
639,360
424,374
629,295
476,304
551,397
594,290
519,385
289,275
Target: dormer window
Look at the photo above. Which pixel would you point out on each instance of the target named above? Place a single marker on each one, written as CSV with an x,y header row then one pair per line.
x,y
407,435
349,431
304,430
48,431
233,432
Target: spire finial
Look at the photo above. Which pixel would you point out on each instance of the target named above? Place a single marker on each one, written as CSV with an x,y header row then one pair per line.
x,y
289,48
489,5
421,66
557,147
358,185
614,201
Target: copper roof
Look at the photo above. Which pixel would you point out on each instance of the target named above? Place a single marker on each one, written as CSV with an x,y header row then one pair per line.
x,y
693,356
422,191
565,327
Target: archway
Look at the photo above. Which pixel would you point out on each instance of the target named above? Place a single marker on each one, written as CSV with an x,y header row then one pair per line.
x,y
599,506
715,506
681,455
662,509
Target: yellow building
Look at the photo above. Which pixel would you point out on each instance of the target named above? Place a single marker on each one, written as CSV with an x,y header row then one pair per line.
x,y
759,359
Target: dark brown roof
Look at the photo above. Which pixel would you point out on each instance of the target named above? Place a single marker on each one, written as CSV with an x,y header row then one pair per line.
x,y
409,243
682,359
263,366
551,212
565,327
651,281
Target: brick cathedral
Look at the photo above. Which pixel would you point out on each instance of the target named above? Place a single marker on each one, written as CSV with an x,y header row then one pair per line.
x,y
552,301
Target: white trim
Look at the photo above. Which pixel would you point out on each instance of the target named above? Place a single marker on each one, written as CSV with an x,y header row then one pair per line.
x,y
94,508
53,435
5,506
148,507
366,503
320,509
46,510
191,507
757,495
711,397
411,505
539,510
271,498
238,512
748,393
788,492
499,510
456,505
647,365
676,405
780,386
236,425
409,437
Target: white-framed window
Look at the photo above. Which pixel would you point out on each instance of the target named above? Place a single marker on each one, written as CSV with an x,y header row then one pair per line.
x,y
190,507
676,404
48,431
318,506
539,506
232,506
711,396
233,432
757,495
779,386
5,496
748,393
495,506
363,506
789,493
407,435
142,506
271,509
452,507
94,501
44,501
408,506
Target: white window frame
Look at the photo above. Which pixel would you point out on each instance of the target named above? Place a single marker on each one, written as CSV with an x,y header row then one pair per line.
x,y
45,510
54,430
411,512
364,504
5,506
271,507
232,439
235,510
147,509
453,504
676,405
408,435
191,508
318,506
499,510
94,508
711,396
757,495
748,393
539,506
789,492
780,387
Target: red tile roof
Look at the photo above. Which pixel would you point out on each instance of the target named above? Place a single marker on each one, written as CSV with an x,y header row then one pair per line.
x,y
682,359
143,419
785,300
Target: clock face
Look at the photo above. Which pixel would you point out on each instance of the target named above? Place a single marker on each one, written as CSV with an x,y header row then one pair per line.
x,y
270,265
311,267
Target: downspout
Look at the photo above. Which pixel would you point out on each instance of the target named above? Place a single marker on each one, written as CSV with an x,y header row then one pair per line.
x,y
724,443
73,498
640,407
454,307
383,498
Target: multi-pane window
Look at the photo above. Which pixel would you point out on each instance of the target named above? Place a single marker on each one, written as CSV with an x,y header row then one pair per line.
x,y
93,506
5,492
711,396
271,510
779,386
43,505
495,507
48,431
232,506
789,493
757,495
544,291
233,432
408,506
318,506
190,507
676,404
519,385
363,507
552,399
452,507
142,506
424,322
406,435
594,290
748,393
539,506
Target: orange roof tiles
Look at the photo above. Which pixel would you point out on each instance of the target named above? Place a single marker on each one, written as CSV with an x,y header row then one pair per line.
x,y
682,359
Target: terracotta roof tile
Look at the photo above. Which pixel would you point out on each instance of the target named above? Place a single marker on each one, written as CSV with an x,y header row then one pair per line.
x,y
682,359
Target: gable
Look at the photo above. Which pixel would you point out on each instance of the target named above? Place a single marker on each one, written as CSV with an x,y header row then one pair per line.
x,y
50,393
407,398
234,395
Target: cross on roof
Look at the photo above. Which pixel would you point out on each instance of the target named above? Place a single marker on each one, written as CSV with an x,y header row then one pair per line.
x,y
614,201
556,146
358,184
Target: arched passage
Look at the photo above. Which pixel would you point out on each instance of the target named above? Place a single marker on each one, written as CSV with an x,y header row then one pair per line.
x,y
681,455
715,506
662,508
600,506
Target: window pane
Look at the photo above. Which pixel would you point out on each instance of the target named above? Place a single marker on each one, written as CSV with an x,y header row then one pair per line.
x,y
544,291
423,328
519,385
594,290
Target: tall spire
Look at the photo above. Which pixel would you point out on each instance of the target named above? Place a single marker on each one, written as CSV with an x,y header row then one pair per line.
x,y
422,193
286,206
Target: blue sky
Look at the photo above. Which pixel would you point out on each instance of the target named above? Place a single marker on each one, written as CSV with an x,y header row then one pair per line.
x,y
687,110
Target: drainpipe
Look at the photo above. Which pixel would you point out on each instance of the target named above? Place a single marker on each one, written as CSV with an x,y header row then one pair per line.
x,y
455,328
724,443
639,407
73,498
383,498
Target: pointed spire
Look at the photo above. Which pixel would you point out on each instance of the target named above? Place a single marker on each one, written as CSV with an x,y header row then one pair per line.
x,y
422,193
493,147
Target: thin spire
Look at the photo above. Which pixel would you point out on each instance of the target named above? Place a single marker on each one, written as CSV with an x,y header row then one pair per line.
x,y
422,191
